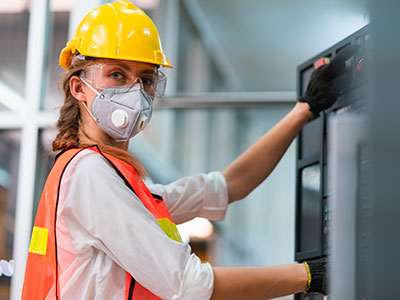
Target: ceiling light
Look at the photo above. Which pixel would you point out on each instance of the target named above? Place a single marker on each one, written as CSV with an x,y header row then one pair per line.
x,y
146,4
62,5
198,228
15,6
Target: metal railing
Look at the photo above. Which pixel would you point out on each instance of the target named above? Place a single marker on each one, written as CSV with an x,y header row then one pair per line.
x,y
225,99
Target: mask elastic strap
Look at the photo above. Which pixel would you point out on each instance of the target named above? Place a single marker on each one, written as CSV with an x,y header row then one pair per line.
x,y
84,104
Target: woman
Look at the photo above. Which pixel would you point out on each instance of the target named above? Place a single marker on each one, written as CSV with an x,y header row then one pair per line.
x,y
99,232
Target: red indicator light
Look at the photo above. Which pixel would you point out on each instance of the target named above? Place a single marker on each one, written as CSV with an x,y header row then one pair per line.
x,y
322,61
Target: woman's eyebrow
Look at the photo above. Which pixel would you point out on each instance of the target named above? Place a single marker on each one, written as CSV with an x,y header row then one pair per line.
x,y
123,66
148,71
129,68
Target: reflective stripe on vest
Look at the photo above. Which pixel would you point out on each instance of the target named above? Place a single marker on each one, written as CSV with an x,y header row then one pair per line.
x,y
41,274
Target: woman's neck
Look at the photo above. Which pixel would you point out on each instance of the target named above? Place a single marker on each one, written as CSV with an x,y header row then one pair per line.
x,y
93,135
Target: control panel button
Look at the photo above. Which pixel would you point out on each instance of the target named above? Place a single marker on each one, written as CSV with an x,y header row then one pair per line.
x,y
322,61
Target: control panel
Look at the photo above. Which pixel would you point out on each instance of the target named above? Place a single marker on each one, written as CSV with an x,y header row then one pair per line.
x,y
313,185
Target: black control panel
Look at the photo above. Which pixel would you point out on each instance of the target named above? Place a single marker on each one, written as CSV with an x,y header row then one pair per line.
x,y
313,185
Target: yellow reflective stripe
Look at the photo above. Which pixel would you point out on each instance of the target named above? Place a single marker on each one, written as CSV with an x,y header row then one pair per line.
x,y
39,240
170,229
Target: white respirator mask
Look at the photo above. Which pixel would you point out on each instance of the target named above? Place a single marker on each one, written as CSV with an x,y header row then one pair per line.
x,y
119,113
122,111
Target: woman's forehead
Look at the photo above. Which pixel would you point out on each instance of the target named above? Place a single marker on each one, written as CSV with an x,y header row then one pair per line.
x,y
127,64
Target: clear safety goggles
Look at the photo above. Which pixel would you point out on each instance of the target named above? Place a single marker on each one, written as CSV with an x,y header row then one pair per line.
x,y
105,75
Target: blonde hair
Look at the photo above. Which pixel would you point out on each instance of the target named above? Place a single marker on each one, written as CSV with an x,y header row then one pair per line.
x,y
69,122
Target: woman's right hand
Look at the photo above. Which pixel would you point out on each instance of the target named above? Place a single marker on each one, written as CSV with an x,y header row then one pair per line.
x,y
328,81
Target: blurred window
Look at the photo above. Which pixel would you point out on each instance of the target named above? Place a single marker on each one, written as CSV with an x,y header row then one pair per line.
x,y
14,22
9,158
58,38
45,161
196,69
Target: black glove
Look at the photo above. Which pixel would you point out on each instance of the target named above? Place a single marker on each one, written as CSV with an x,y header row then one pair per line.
x,y
328,81
319,276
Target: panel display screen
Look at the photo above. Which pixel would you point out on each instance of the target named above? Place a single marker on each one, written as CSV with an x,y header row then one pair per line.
x,y
305,78
310,209
311,139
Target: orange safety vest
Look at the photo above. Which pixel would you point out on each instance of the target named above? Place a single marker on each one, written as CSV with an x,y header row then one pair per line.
x,y
41,274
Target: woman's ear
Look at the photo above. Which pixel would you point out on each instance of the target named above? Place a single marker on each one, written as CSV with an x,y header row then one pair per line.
x,y
77,89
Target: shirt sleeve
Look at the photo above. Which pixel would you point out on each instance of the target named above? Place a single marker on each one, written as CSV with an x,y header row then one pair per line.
x,y
100,204
202,195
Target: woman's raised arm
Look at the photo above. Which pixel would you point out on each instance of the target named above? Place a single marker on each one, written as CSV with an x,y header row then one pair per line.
x,y
257,162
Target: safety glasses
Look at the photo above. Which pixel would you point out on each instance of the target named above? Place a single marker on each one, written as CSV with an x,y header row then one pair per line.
x,y
104,75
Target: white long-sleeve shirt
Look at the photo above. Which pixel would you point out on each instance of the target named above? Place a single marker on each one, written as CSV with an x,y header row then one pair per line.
x,y
104,231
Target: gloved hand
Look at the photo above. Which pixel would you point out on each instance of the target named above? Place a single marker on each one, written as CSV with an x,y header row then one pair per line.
x,y
328,81
317,271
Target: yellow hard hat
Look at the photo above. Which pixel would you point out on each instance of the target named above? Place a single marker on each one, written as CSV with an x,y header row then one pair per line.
x,y
118,31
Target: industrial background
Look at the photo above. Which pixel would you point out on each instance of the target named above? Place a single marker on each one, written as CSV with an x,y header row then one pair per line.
x,y
234,78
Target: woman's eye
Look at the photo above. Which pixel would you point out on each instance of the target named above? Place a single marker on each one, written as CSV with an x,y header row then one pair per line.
x,y
147,81
117,75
